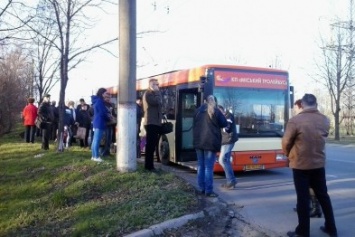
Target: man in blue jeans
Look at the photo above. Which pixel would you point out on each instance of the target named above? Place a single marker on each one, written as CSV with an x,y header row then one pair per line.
x,y
229,138
304,145
207,138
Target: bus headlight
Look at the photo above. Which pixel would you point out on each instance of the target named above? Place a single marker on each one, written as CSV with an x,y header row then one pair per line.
x,y
281,157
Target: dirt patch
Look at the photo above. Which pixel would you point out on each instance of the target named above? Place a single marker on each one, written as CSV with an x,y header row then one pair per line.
x,y
225,223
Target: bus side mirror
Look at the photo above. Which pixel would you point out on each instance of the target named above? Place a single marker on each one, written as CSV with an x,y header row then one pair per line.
x,y
292,96
203,80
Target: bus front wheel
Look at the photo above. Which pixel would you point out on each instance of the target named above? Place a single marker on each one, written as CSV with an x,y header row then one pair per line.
x,y
164,152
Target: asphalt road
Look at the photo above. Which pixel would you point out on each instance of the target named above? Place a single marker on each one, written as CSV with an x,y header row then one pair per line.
x,y
268,197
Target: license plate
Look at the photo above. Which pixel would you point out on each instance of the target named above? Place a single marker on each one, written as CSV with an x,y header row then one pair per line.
x,y
253,167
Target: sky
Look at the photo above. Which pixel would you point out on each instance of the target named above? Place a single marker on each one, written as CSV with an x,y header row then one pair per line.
x,y
189,33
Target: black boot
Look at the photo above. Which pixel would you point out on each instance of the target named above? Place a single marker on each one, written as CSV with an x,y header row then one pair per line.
x,y
315,208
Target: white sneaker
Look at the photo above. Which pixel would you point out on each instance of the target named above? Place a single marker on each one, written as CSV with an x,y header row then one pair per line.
x,y
97,159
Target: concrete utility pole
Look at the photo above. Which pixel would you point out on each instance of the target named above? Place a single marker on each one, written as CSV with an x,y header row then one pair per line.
x,y
126,156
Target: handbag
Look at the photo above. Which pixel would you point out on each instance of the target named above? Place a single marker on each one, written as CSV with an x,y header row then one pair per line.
x,y
166,127
39,123
113,121
80,133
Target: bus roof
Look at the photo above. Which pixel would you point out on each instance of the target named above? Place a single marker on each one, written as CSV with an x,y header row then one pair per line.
x,y
247,68
191,75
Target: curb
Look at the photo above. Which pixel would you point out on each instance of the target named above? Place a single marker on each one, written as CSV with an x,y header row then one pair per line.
x,y
158,229
340,145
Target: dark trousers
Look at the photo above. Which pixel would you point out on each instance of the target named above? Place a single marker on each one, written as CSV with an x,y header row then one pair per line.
x,y
91,135
73,129
54,131
108,140
84,142
138,141
30,131
303,180
152,134
46,133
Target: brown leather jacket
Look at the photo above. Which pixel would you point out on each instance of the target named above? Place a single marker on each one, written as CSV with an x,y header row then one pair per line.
x,y
304,139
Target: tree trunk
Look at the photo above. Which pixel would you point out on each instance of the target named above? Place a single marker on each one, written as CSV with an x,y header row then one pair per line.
x,y
336,126
63,86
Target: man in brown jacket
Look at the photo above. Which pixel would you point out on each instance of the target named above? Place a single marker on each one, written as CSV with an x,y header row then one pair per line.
x,y
152,106
304,144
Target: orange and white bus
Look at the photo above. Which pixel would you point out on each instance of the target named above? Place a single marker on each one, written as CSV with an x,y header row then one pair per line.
x,y
259,98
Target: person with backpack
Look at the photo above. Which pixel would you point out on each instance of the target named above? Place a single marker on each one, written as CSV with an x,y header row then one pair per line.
x,y
229,138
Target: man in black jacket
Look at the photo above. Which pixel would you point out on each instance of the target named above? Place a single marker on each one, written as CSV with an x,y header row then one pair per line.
x,y
47,116
152,105
83,119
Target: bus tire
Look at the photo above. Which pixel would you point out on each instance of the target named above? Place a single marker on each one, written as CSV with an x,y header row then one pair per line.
x,y
164,151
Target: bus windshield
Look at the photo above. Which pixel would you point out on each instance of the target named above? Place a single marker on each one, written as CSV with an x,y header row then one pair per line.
x,y
258,112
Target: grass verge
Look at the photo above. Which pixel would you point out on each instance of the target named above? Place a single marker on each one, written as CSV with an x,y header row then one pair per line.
x,y
45,193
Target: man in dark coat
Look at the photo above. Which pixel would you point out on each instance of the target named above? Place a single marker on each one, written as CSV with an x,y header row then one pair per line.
x,y
83,119
110,135
152,105
47,116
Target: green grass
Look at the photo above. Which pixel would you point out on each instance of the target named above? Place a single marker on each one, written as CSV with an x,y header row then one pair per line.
x,y
67,194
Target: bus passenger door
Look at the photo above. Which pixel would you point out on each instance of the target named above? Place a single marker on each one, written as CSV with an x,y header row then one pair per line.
x,y
188,102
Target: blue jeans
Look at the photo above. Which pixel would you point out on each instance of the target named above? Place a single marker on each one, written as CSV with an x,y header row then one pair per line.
x,y
303,180
224,161
206,160
95,144
67,142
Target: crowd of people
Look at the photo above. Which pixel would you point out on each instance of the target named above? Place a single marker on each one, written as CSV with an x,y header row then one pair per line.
x,y
303,143
214,131
43,122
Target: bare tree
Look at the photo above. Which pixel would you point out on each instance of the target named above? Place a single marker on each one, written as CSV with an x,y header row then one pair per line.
x,y
5,7
348,115
56,32
13,17
15,76
69,22
45,67
41,35
335,71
